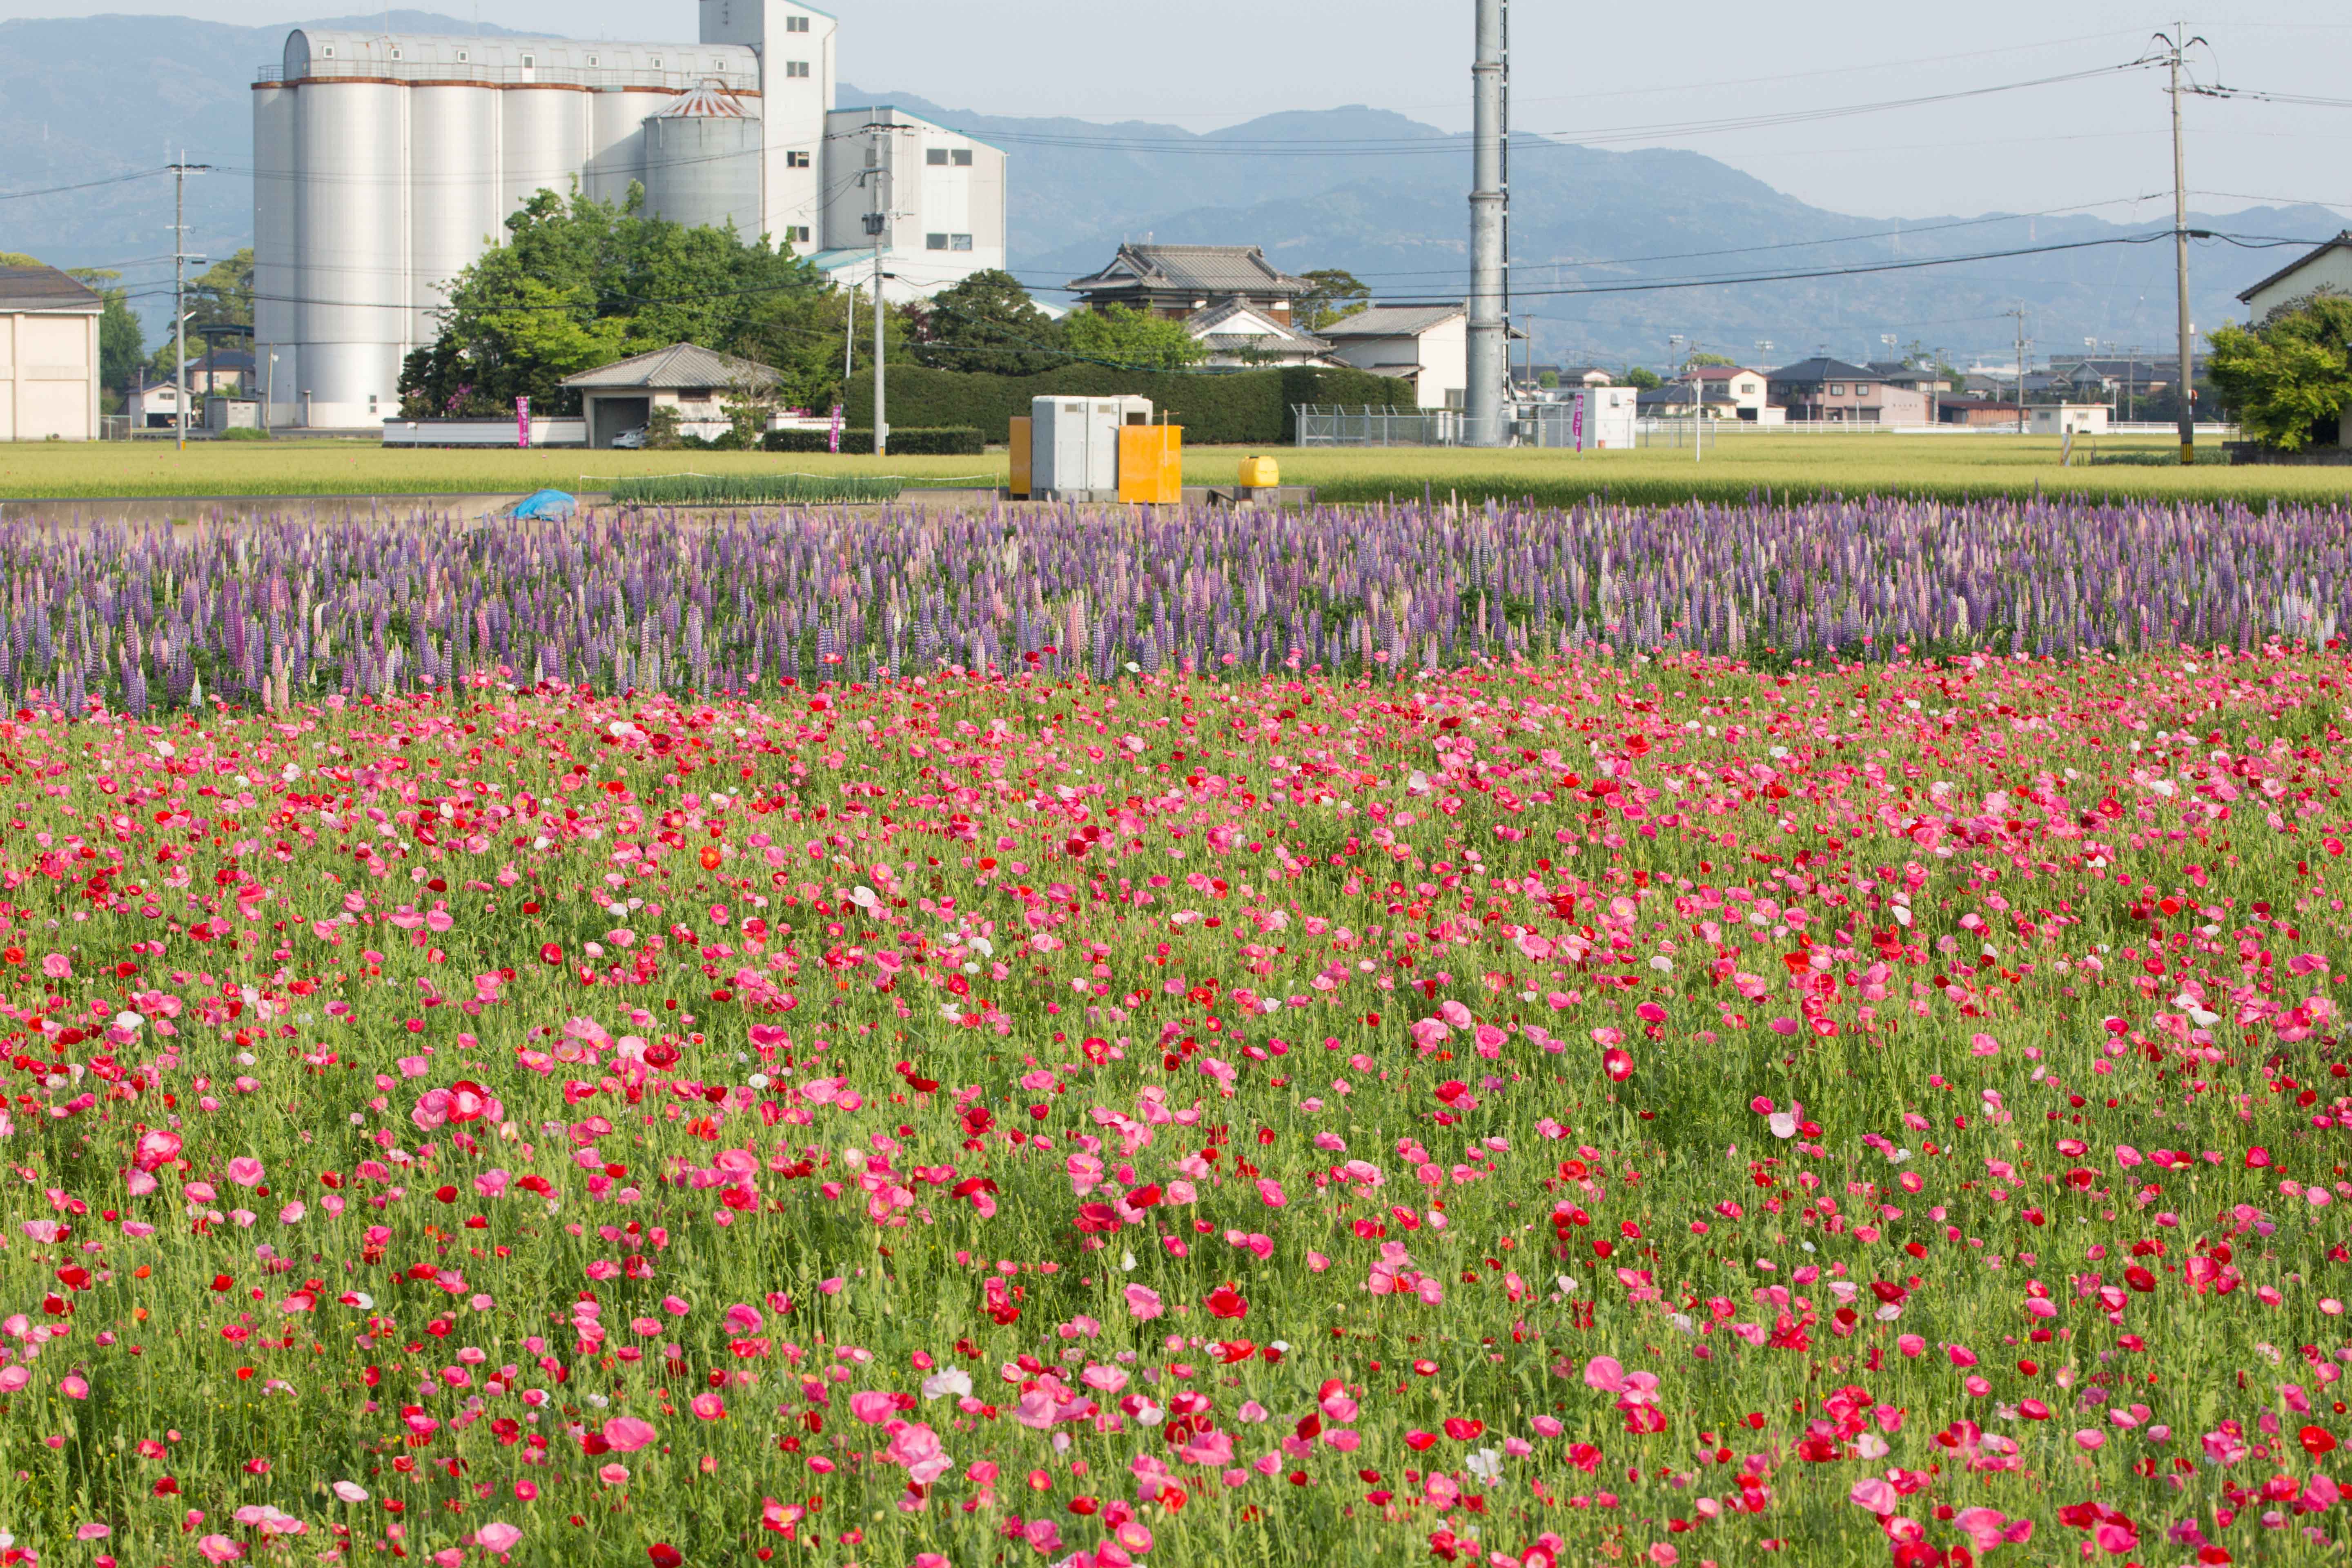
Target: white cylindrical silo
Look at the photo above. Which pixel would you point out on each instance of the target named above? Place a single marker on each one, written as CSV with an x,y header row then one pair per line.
x,y
275,319
702,164
352,249
545,134
616,148
455,212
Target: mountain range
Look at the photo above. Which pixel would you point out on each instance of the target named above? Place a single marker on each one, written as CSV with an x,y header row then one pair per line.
x,y
1598,235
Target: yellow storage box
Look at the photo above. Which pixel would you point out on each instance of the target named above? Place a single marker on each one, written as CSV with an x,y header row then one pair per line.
x,y
1260,473
1151,464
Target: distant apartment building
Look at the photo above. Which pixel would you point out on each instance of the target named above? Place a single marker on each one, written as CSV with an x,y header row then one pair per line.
x,y
49,356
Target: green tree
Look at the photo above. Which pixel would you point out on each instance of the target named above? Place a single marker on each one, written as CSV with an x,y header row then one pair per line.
x,y
2289,378
19,258
579,283
1132,339
120,342
1337,294
222,294
987,323
1643,377
1721,360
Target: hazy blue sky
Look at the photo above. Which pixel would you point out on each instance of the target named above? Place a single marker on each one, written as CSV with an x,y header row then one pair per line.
x,y
1587,70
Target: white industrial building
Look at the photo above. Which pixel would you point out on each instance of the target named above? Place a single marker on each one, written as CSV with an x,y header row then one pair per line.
x,y
384,164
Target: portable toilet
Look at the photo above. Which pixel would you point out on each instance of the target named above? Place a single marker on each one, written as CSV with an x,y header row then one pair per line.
x,y
1074,445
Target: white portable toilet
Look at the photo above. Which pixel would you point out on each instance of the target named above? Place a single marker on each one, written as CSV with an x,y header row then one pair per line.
x,y
1074,445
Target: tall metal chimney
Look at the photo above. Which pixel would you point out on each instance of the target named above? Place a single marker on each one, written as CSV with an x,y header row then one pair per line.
x,y
1489,326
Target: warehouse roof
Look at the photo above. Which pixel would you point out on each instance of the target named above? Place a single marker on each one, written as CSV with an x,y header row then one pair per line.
x,y
1390,321
1210,270
44,289
678,365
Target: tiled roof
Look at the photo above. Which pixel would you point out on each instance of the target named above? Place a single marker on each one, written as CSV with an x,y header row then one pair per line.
x,y
1208,270
1816,370
1392,321
680,364
44,289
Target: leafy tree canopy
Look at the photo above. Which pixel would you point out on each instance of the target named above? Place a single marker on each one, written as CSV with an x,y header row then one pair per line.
x,y
987,323
579,283
1336,295
1132,339
1643,377
2289,379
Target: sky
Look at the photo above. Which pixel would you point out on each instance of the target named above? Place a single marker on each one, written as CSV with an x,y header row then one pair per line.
x,y
1639,75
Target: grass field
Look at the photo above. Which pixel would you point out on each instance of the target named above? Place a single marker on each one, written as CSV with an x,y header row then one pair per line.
x,y
1959,466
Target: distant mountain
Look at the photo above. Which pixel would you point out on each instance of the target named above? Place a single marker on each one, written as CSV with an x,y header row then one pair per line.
x,y
1366,189
92,97
1386,197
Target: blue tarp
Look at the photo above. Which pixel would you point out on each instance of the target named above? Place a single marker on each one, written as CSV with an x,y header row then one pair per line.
x,y
546,505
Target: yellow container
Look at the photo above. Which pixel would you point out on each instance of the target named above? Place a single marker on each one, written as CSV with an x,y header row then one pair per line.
x,y
1260,473
1020,485
1151,464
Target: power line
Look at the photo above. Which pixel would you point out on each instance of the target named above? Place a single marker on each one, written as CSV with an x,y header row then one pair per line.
x,y
85,184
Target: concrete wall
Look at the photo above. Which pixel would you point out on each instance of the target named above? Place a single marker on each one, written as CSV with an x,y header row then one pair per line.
x,y
48,376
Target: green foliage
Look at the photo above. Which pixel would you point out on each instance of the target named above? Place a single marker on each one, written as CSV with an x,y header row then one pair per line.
x,y
1549,378
754,489
661,429
906,441
1643,377
579,283
120,341
987,324
1703,358
1137,340
1336,295
2289,378
1244,408
222,295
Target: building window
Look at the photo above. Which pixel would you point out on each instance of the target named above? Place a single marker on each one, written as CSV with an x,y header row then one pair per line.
x,y
1837,389
464,56
796,24
329,52
962,157
935,242
529,61
657,63
395,55
796,68
796,234
592,60
797,160
959,242
937,157
1861,389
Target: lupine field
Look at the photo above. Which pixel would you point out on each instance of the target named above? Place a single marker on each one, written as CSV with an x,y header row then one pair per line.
x,y
1715,1037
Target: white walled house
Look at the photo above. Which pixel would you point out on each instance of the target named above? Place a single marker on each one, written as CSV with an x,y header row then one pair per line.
x,y
1426,344
1235,333
49,356
2329,267
384,164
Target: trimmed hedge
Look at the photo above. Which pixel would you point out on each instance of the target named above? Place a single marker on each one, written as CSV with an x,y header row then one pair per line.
x,y
906,440
1244,408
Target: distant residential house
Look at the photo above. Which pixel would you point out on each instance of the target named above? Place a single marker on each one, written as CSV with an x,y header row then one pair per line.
x,y
619,398
1832,392
1239,334
1918,377
1426,344
1180,280
1588,375
2329,267
154,405
1738,389
1962,409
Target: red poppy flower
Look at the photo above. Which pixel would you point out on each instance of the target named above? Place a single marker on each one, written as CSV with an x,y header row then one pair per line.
x,y
1224,1302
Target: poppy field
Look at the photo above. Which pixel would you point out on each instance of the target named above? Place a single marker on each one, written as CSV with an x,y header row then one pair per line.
x,y
571,1049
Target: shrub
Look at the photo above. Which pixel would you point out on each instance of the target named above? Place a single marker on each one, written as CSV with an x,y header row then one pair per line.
x,y
1249,408
906,441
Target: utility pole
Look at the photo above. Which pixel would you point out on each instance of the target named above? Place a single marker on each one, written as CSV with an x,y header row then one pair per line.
x,y
2020,313
2178,44
876,223
881,422
180,259
1489,345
